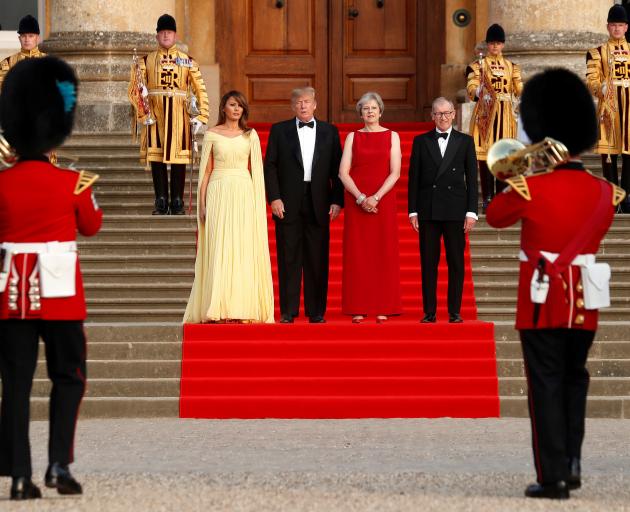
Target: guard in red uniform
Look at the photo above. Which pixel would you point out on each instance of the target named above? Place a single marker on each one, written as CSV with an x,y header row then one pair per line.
x,y
41,291
564,216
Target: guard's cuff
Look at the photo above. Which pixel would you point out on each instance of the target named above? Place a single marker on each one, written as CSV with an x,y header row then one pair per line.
x,y
414,214
472,215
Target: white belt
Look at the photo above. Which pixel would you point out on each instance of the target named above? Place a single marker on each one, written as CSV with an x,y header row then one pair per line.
x,y
170,94
39,248
624,82
580,260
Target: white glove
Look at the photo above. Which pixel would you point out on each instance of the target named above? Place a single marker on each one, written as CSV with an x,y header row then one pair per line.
x,y
196,125
144,92
604,89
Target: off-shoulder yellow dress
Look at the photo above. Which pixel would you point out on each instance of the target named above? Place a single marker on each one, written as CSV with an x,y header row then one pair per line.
x,y
232,269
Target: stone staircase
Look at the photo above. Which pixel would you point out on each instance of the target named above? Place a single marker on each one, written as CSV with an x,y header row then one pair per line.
x,y
138,271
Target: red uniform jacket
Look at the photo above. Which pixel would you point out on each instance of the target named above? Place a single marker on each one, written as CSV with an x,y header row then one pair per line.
x,y
561,201
38,204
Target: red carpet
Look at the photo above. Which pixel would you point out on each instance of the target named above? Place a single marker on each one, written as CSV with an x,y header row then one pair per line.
x,y
341,370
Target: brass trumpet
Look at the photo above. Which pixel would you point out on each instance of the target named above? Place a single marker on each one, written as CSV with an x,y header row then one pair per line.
x,y
508,158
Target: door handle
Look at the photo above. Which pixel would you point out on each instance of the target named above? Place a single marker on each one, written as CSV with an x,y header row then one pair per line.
x,y
380,3
353,12
279,4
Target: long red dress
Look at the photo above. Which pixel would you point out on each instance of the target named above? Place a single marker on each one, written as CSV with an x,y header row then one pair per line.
x,y
371,265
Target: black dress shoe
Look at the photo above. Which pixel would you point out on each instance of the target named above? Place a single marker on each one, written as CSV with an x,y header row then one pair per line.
x,y
556,491
575,474
455,319
161,206
23,488
59,477
429,318
286,319
177,207
318,319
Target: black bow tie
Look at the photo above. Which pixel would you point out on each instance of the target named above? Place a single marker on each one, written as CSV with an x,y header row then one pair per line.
x,y
439,135
310,124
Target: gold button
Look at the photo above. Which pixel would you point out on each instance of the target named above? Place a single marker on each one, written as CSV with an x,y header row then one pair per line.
x,y
564,285
579,287
579,319
579,303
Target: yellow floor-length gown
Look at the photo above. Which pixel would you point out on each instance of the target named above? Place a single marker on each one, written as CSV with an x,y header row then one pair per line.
x,y
232,269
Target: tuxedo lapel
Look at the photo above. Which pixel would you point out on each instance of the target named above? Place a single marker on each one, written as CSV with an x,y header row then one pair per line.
x,y
449,154
294,142
433,147
319,134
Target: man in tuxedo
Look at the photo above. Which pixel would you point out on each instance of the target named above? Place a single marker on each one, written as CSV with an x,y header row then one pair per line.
x,y
305,193
442,204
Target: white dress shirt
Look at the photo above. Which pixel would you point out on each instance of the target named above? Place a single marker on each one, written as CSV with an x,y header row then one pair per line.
x,y
443,143
307,146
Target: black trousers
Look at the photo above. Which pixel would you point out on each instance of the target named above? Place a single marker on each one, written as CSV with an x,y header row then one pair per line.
x,y
65,360
610,171
431,233
303,246
557,382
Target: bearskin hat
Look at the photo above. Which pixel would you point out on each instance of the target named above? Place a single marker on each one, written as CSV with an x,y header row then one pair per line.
x,y
617,14
166,22
495,33
28,25
37,105
557,104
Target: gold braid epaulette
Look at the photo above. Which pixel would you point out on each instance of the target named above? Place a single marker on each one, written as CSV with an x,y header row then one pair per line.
x,y
618,195
84,182
519,185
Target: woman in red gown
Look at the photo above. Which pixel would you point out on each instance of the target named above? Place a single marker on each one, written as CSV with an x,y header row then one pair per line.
x,y
370,167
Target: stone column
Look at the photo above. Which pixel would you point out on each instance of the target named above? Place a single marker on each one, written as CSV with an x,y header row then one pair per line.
x,y
543,33
97,38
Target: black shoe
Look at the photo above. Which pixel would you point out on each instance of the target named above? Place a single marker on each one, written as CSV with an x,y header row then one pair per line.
x,y
625,206
177,207
575,474
455,319
556,491
59,477
429,318
161,206
317,319
23,488
286,319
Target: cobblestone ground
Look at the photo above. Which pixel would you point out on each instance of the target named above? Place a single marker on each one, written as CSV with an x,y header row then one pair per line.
x,y
343,465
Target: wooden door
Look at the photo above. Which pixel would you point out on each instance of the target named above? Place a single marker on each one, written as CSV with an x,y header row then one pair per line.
x,y
266,48
384,46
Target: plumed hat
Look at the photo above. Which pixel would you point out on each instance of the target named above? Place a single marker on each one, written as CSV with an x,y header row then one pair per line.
x,y
557,104
37,105
28,25
166,22
495,33
617,14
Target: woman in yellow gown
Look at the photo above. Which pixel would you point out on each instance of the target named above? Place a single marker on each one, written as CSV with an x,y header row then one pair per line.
x,y
232,269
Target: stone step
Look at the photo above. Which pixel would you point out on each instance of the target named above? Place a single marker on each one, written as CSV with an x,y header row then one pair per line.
x,y
501,314
140,234
596,407
599,386
613,367
619,291
119,387
175,292
137,314
620,300
132,369
599,350
135,331
119,278
153,247
112,407
150,221
607,331
502,271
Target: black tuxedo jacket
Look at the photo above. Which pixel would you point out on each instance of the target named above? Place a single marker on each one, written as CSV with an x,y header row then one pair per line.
x,y
284,170
443,189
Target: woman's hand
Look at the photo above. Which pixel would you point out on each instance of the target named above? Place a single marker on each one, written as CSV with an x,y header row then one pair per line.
x,y
370,204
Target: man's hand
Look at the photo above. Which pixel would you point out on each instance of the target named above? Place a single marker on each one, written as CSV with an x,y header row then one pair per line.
x,y
469,223
334,211
414,223
277,208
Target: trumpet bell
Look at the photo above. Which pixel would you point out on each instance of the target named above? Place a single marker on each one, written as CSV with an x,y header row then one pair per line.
x,y
508,158
499,162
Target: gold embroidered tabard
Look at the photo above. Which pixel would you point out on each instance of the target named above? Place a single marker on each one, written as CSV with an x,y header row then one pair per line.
x,y
168,75
608,79
12,60
505,79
